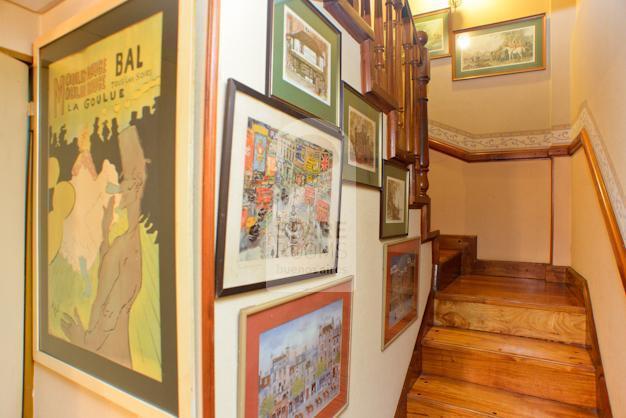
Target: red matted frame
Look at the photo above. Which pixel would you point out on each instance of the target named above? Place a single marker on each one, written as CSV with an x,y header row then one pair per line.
x,y
258,319
399,247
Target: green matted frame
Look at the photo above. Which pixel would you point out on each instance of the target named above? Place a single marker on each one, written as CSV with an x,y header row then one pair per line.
x,y
324,36
398,172
538,22
353,99
443,14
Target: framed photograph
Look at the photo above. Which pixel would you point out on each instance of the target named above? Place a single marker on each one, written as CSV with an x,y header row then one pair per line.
x,y
304,58
362,126
509,47
104,234
400,289
394,200
280,194
436,24
294,354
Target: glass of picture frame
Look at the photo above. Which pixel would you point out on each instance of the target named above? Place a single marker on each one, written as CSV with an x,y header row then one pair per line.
x,y
304,58
436,24
280,194
394,200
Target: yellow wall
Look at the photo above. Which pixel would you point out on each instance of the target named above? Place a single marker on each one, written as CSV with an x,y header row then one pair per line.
x,y
507,204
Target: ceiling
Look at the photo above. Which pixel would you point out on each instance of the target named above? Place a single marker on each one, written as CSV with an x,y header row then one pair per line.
x,y
37,6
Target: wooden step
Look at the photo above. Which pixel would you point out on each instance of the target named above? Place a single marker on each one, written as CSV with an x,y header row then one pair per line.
x,y
522,307
549,370
436,396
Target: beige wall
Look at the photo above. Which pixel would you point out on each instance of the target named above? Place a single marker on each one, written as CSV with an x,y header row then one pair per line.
x,y
518,102
592,256
506,204
562,198
18,28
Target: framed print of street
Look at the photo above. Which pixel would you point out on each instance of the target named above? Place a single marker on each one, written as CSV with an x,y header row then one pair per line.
x,y
400,289
294,354
304,58
509,47
394,200
279,195
104,202
362,126
436,24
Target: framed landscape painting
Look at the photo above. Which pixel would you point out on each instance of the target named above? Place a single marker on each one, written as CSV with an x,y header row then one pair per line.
x,y
436,24
400,290
304,58
394,200
362,126
280,194
509,47
294,355
105,272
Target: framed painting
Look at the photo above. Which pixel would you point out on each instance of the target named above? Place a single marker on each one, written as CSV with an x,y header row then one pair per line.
x,y
294,354
436,24
400,288
394,200
509,47
105,261
362,127
304,58
280,194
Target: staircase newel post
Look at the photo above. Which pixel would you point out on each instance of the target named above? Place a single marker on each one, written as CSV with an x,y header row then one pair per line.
x,y
423,77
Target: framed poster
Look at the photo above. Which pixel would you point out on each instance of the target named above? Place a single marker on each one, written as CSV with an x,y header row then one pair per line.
x,y
394,200
294,354
280,194
106,304
362,126
514,46
436,24
304,58
400,288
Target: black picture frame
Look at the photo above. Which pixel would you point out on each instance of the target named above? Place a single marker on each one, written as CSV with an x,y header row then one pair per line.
x,y
396,172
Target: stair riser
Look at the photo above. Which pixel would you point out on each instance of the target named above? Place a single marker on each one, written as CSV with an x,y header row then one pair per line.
x,y
522,375
566,327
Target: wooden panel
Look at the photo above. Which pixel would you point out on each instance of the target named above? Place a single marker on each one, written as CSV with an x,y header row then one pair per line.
x,y
505,291
449,267
553,371
439,396
357,23
566,327
468,244
510,269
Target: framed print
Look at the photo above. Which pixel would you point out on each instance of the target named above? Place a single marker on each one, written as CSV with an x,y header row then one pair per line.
x,y
362,126
279,194
304,58
105,262
400,289
294,354
509,47
394,200
436,24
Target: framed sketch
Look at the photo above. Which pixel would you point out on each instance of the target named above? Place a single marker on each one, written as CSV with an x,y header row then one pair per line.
x,y
304,58
436,24
105,259
294,354
394,200
279,194
509,47
362,126
400,288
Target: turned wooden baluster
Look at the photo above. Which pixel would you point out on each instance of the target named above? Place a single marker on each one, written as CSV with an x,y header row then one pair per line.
x,y
407,46
389,47
423,77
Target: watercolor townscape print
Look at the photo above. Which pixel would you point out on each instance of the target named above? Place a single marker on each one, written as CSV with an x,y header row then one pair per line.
x,y
307,58
361,141
299,364
105,225
498,49
402,301
395,190
286,196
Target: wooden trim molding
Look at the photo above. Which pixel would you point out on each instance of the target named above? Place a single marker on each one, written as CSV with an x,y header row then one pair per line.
x,y
208,211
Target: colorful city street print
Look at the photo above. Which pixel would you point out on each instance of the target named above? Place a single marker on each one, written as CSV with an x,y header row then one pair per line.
x,y
362,144
300,364
307,58
286,196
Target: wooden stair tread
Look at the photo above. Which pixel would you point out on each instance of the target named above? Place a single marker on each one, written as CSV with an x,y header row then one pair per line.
x,y
478,400
570,356
497,290
447,255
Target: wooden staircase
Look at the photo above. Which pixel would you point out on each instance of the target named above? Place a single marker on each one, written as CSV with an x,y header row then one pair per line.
x,y
505,347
